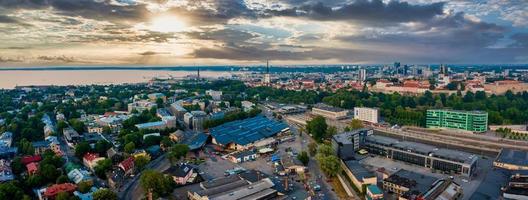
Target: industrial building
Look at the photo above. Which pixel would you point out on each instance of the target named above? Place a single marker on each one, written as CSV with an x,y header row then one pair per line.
x,y
243,134
358,175
474,121
517,187
370,115
445,160
233,187
345,144
512,159
329,111
410,185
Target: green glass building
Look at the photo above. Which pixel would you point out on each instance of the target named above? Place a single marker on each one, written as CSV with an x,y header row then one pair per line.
x,y
474,121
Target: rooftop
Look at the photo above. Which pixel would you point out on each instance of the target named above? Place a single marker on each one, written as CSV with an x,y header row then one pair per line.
x,y
513,156
417,183
246,131
425,149
180,170
149,124
344,138
460,111
196,141
358,170
374,189
328,108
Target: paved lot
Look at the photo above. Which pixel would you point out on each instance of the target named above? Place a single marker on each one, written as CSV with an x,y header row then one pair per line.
x,y
468,185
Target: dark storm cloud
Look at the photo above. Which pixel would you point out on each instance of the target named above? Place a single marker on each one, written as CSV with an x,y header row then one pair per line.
x,y
152,53
225,35
62,59
123,36
451,31
85,8
222,11
521,40
7,20
9,60
17,48
374,11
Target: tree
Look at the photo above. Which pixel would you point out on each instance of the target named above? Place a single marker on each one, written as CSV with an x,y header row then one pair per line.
x,y
178,151
77,125
331,130
102,167
107,130
63,196
102,146
141,161
325,150
151,140
356,124
25,146
48,172
16,165
130,147
82,148
10,191
104,194
303,157
312,148
62,179
166,142
84,187
330,165
317,128
154,181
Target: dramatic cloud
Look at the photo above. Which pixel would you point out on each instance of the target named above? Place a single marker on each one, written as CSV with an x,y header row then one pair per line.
x,y
62,58
151,53
367,11
165,32
6,19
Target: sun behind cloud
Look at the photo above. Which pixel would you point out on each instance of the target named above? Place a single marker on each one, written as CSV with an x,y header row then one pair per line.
x,y
164,24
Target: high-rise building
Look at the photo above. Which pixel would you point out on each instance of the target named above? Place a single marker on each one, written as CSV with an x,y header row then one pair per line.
x,y
475,121
267,76
443,70
362,75
366,114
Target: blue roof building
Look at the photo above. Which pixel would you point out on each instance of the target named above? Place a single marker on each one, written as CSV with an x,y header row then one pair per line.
x,y
242,133
197,141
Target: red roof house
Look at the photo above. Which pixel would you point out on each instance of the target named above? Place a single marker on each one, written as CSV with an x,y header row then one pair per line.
x,y
127,165
53,190
32,168
29,159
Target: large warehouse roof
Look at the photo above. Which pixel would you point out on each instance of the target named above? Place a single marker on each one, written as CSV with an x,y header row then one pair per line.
x,y
246,131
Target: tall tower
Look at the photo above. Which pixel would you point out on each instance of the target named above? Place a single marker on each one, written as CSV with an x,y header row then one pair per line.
x,y
198,75
267,76
362,75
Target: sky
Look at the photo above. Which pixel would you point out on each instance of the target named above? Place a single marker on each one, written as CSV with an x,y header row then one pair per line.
x,y
247,32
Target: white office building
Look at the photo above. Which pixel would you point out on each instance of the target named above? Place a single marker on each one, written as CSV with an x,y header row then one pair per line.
x,y
366,114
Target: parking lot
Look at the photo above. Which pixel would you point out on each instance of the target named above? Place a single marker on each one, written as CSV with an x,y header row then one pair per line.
x,y
469,185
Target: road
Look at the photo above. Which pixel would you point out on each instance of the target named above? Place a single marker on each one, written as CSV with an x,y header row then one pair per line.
x,y
132,189
313,168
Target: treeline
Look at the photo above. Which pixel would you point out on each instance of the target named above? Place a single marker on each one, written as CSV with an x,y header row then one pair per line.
x,y
231,117
286,96
410,110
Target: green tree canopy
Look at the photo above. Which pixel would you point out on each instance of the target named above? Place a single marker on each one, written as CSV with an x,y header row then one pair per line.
x,y
104,194
317,128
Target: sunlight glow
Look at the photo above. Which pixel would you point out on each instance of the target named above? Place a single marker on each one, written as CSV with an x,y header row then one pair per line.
x,y
166,24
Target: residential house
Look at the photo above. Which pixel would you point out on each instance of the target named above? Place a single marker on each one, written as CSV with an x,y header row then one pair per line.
x,y
182,173
41,146
6,174
90,160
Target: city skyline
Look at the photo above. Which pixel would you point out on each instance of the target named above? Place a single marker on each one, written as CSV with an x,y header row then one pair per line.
x,y
167,32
